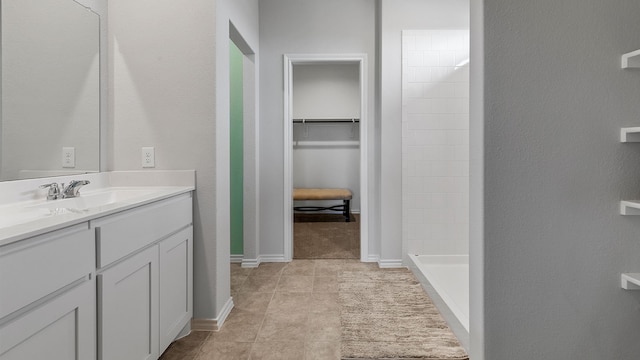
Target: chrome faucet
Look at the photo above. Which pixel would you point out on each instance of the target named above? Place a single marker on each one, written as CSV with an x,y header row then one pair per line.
x,y
73,189
54,191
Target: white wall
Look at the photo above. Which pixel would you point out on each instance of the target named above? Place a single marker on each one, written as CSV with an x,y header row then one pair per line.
x,y
435,137
395,16
169,89
326,155
299,27
50,86
554,243
327,90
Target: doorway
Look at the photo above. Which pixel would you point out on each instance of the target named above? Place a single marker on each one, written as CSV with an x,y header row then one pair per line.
x,y
326,147
243,154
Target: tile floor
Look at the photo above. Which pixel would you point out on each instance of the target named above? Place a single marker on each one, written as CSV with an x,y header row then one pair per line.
x,y
282,311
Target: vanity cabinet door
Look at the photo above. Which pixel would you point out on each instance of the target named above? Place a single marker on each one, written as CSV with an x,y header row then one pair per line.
x,y
61,328
176,282
128,308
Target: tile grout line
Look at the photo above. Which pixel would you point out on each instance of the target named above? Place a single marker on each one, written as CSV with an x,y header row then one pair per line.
x,y
198,352
307,322
264,317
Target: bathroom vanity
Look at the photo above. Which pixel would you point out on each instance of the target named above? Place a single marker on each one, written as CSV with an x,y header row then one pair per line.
x,y
107,275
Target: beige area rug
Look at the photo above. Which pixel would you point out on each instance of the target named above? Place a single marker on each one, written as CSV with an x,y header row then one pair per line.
x,y
387,315
320,236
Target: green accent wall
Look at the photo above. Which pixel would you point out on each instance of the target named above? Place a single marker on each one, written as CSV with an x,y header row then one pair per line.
x,y
236,60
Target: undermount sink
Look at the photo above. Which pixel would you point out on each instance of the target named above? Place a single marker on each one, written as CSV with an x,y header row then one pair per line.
x,y
94,199
85,203
21,216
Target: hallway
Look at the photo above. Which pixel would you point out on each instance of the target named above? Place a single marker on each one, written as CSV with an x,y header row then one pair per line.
x,y
282,311
306,291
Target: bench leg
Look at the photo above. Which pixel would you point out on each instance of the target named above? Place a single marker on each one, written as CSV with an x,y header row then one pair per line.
x,y
347,211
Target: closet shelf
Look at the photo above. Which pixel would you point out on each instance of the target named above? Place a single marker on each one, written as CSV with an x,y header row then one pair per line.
x,y
630,281
631,60
630,134
325,120
326,143
630,207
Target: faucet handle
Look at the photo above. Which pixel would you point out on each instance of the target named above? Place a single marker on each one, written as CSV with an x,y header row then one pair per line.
x,y
50,186
54,190
72,190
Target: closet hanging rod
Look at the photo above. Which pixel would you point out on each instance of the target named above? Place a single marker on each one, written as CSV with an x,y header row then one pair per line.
x,y
324,121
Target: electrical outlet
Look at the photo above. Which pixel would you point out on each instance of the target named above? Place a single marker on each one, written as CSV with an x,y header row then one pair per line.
x,y
68,157
148,157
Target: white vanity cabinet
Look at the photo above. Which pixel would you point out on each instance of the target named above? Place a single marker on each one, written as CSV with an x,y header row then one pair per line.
x,y
175,267
144,278
47,296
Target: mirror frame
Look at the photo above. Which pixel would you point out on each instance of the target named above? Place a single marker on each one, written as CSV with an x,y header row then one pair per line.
x,y
99,7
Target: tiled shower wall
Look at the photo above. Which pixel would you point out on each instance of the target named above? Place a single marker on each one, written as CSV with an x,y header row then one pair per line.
x,y
435,141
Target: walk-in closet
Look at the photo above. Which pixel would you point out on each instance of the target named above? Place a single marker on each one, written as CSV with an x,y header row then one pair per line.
x,y
326,160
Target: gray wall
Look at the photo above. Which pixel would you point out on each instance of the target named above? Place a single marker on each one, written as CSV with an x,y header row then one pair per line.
x,y
299,27
554,242
169,89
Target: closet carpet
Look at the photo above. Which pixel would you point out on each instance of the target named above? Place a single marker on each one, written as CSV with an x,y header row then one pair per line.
x,y
326,236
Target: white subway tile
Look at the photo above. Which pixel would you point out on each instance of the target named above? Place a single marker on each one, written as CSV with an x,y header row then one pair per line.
x,y
439,41
449,168
447,58
431,58
435,141
461,90
439,216
456,137
421,74
418,106
409,43
462,55
415,216
415,153
440,90
413,90
446,106
423,42
423,169
414,58
415,185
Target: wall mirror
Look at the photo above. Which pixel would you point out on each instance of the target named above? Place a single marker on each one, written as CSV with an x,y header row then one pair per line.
x,y
50,94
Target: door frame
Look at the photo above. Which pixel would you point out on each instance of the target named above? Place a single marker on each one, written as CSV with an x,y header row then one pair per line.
x,y
289,61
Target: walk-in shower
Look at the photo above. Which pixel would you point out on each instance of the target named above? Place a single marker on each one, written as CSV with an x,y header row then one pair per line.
x,y
435,163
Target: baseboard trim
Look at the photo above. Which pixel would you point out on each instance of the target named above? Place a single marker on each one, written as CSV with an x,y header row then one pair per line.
x,y
204,325
390,263
371,258
250,263
271,258
237,258
213,324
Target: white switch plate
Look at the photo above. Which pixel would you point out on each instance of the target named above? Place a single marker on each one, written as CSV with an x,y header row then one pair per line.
x,y
68,157
148,157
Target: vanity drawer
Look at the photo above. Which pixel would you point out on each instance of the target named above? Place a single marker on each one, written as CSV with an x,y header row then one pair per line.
x,y
124,233
34,268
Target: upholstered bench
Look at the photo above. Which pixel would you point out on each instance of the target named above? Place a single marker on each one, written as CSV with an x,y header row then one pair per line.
x,y
345,195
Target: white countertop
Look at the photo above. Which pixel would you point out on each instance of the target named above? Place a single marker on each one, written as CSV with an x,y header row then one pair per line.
x,y
59,218
54,214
